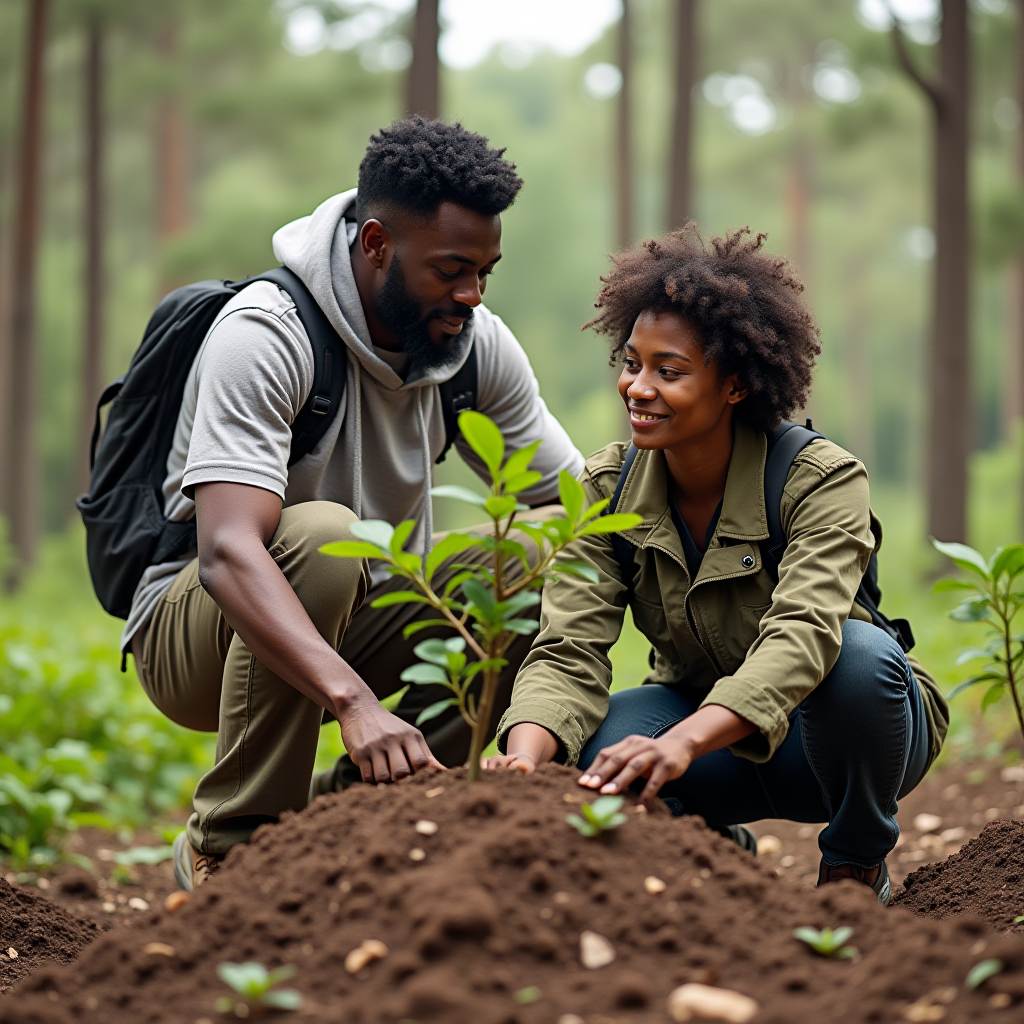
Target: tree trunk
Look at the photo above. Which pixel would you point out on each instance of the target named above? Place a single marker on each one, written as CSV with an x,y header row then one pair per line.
x,y
22,458
858,369
423,82
680,168
624,134
172,170
949,422
1016,283
949,427
93,278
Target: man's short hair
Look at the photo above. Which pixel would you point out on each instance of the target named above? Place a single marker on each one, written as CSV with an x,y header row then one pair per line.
x,y
416,165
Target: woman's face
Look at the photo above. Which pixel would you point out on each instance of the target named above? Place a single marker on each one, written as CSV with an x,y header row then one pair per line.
x,y
672,397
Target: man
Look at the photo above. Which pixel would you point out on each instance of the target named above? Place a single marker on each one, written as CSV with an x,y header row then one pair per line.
x,y
259,636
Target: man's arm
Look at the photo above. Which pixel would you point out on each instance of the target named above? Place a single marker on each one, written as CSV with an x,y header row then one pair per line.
x,y
236,523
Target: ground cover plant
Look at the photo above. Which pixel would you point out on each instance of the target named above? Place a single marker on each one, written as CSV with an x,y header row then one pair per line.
x,y
485,605
257,988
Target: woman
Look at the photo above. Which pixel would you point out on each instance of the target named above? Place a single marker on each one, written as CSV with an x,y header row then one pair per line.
x,y
766,699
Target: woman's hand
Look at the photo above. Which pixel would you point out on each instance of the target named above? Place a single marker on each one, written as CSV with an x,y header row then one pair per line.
x,y
528,746
658,760
667,757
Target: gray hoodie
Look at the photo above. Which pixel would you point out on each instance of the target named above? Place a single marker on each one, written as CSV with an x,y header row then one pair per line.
x,y
253,374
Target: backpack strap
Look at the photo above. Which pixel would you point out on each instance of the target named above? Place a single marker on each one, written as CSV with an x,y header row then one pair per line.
x,y
458,394
624,551
330,359
784,445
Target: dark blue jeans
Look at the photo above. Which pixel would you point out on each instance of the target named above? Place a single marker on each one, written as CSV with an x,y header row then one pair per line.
x,y
855,745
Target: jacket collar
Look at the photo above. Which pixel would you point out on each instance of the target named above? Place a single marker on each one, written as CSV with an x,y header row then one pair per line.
x,y
743,509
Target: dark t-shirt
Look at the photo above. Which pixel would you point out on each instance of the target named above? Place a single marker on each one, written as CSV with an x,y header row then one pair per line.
x,y
694,556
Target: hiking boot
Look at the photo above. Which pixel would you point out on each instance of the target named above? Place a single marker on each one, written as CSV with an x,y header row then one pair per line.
x,y
741,836
877,878
191,869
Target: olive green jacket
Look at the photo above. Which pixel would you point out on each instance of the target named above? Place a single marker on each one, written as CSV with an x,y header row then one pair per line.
x,y
731,636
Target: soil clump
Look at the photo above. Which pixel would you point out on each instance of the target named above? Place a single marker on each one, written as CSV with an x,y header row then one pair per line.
x,y
481,895
34,931
985,877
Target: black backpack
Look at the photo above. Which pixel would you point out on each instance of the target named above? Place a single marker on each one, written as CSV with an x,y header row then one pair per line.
x,y
126,530
783,447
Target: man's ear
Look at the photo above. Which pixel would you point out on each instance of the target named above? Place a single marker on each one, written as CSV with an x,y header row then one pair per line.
x,y
735,392
374,240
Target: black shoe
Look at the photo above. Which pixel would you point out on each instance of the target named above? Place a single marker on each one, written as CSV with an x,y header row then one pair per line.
x,y
877,878
741,836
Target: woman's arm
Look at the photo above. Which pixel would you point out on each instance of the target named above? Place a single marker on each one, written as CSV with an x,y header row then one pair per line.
x,y
529,745
665,757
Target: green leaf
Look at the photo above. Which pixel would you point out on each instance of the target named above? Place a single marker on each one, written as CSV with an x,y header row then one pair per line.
x,y
481,597
499,508
524,627
459,494
398,597
577,567
1019,919
572,495
351,549
144,855
840,935
522,481
400,536
1008,561
963,556
484,438
376,531
981,972
971,609
973,654
613,523
248,979
457,580
993,695
527,995
476,667
415,627
434,710
424,673
950,583
283,999
595,510
519,462
279,974
582,826
436,651
520,602
447,547
974,681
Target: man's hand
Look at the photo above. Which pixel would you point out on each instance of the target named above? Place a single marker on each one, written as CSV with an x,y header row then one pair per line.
x,y
667,757
384,747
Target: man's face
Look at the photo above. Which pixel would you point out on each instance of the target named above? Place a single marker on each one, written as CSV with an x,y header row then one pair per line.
x,y
433,275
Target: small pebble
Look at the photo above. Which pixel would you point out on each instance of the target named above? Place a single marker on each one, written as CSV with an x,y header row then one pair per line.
x,y
425,827
547,913
705,872
702,1002
107,855
595,951
570,1018
176,900
927,822
417,854
12,952
1012,773
768,845
1000,1001
436,791
924,1011
109,908
952,835
370,950
788,861
344,885
562,897
571,798
43,883
158,949
138,903
654,885
696,883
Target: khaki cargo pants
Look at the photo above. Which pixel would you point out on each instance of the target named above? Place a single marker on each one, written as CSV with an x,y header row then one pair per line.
x,y
200,675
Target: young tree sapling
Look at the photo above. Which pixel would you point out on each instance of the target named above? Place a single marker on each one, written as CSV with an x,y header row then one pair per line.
x,y
481,603
603,815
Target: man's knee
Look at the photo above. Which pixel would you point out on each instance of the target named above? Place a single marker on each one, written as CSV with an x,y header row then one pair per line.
x,y
326,585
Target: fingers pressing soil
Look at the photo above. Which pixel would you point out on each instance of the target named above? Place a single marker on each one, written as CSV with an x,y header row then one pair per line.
x,y
986,878
490,918
34,931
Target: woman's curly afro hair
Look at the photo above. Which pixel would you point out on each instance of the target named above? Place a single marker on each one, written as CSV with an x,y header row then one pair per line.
x,y
746,304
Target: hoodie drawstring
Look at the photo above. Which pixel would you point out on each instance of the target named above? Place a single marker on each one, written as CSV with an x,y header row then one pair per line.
x,y
428,508
357,483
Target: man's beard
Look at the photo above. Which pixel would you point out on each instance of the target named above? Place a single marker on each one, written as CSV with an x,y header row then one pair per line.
x,y
407,321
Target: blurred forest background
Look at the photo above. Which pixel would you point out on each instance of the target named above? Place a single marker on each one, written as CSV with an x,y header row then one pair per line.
x,y
175,136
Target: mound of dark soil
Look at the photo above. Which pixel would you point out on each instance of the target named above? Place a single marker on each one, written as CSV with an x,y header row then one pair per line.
x,y
986,877
483,918
38,932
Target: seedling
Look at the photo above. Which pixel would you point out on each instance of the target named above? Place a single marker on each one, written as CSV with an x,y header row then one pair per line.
x,y
255,984
1019,919
525,996
828,942
981,972
601,816
993,593
479,602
